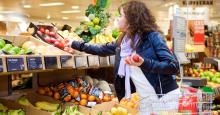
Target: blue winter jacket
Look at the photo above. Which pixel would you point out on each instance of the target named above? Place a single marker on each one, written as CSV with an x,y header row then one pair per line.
x,y
159,62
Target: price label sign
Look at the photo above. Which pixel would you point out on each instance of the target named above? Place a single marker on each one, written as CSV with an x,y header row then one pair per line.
x,y
50,62
1,65
34,63
66,61
15,64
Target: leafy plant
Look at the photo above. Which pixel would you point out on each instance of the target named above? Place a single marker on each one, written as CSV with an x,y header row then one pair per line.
x,y
98,19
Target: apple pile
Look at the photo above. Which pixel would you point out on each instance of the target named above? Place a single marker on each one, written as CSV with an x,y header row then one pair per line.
x,y
210,74
10,49
53,38
77,91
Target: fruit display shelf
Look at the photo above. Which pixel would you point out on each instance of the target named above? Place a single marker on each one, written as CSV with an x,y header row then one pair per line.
x,y
40,55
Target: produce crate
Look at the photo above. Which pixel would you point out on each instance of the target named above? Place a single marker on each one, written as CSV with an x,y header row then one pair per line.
x,y
11,105
33,98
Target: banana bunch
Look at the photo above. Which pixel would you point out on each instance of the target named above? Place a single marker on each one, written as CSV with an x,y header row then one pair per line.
x,y
43,105
24,101
102,39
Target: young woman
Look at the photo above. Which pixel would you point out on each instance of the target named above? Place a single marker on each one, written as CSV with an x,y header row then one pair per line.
x,y
157,64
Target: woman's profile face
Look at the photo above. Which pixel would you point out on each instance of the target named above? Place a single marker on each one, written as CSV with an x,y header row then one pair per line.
x,y
122,21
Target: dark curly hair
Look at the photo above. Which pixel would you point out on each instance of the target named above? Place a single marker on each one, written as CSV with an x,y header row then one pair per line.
x,y
139,18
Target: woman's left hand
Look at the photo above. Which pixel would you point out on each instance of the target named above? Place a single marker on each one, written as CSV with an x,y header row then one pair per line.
x,y
134,60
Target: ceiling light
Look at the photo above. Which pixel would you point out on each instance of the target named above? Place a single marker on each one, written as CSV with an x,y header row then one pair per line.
x,y
70,11
65,18
75,7
7,12
52,4
27,6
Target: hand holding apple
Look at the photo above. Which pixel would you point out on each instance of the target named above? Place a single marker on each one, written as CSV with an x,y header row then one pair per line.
x,y
134,60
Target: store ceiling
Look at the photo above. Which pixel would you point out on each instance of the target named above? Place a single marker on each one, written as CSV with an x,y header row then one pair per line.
x,y
34,11
55,12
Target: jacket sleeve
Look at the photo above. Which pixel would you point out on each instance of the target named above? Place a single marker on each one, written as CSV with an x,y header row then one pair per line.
x,y
101,50
167,63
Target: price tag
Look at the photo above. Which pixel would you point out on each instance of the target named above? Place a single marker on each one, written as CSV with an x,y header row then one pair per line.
x,y
66,61
1,65
50,62
81,61
15,64
34,63
93,60
104,61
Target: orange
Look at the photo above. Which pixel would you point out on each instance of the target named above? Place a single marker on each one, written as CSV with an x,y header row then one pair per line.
x,y
83,96
41,91
83,102
56,96
50,93
91,98
106,98
47,89
67,98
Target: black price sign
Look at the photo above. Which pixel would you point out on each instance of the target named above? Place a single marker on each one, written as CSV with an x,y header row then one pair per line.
x,y
1,65
64,61
34,63
50,62
15,64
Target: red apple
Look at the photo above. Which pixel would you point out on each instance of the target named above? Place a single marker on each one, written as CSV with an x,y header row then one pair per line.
x,y
52,40
47,38
39,32
61,45
42,30
52,34
136,58
47,32
57,44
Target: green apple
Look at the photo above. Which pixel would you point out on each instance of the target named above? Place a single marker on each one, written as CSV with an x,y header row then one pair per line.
x,y
22,52
12,52
2,41
1,45
7,47
16,49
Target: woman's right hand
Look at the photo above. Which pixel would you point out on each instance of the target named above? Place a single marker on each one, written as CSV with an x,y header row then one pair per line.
x,y
68,42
